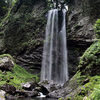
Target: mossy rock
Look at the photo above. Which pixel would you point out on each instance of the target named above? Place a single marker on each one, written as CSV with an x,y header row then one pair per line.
x,y
17,76
90,61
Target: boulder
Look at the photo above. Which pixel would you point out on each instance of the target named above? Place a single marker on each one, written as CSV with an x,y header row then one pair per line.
x,y
26,86
27,93
9,88
47,86
29,85
11,97
6,63
53,94
31,93
2,95
42,89
21,94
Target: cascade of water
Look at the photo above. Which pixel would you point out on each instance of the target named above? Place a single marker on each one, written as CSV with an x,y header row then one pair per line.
x,y
54,63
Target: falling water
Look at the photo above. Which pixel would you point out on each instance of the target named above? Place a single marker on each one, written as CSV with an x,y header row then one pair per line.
x,y
54,63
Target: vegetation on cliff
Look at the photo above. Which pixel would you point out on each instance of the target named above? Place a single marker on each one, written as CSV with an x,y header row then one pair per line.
x,y
87,79
86,82
97,28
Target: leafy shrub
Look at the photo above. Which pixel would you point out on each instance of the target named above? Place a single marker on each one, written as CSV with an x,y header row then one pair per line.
x,y
97,28
95,94
90,61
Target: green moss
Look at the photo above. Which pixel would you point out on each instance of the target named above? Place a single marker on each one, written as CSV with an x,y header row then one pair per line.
x,y
17,76
6,55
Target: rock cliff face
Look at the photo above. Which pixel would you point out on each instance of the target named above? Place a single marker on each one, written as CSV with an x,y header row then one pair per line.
x,y
82,15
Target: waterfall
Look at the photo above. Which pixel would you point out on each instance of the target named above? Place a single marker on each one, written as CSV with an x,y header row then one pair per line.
x,y
54,63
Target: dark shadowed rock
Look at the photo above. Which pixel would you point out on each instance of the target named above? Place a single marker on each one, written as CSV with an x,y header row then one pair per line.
x,y
42,89
22,94
11,97
9,88
82,15
48,86
27,93
31,93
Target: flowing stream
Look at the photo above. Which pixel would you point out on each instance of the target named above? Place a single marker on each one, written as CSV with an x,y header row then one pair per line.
x,y
54,63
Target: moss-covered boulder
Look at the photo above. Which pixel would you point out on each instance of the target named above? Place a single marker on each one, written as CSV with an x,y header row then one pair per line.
x,y
6,63
15,77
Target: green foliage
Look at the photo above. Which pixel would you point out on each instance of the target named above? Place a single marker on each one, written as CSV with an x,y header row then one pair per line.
x,y
97,28
90,61
79,78
88,88
20,35
94,81
89,68
14,1
68,98
60,99
96,93
78,98
8,14
9,11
